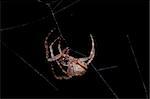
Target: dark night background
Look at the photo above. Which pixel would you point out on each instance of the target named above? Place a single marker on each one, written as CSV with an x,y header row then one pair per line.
x,y
108,21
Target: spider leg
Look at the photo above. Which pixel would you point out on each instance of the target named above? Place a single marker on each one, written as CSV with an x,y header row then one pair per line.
x,y
59,48
53,58
60,77
92,53
51,50
57,77
65,51
46,45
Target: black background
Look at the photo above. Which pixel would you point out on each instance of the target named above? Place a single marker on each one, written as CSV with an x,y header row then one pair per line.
x,y
108,21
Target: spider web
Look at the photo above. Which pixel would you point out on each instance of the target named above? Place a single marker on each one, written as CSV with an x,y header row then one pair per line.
x,y
54,10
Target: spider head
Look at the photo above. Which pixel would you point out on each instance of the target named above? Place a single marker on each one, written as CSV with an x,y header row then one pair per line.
x,y
64,60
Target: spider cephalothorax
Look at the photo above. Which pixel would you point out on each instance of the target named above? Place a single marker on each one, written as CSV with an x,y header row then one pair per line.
x,y
74,66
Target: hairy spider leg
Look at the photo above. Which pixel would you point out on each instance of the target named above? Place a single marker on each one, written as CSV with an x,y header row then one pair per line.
x,y
60,52
54,58
59,48
46,45
92,53
59,77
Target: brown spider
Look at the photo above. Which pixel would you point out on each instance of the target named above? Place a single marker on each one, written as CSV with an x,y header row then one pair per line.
x,y
75,66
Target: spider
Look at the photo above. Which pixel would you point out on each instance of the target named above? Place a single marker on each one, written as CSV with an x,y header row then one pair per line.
x,y
70,66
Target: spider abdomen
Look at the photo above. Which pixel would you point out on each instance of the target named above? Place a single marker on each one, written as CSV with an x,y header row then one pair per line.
x,y
76,70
